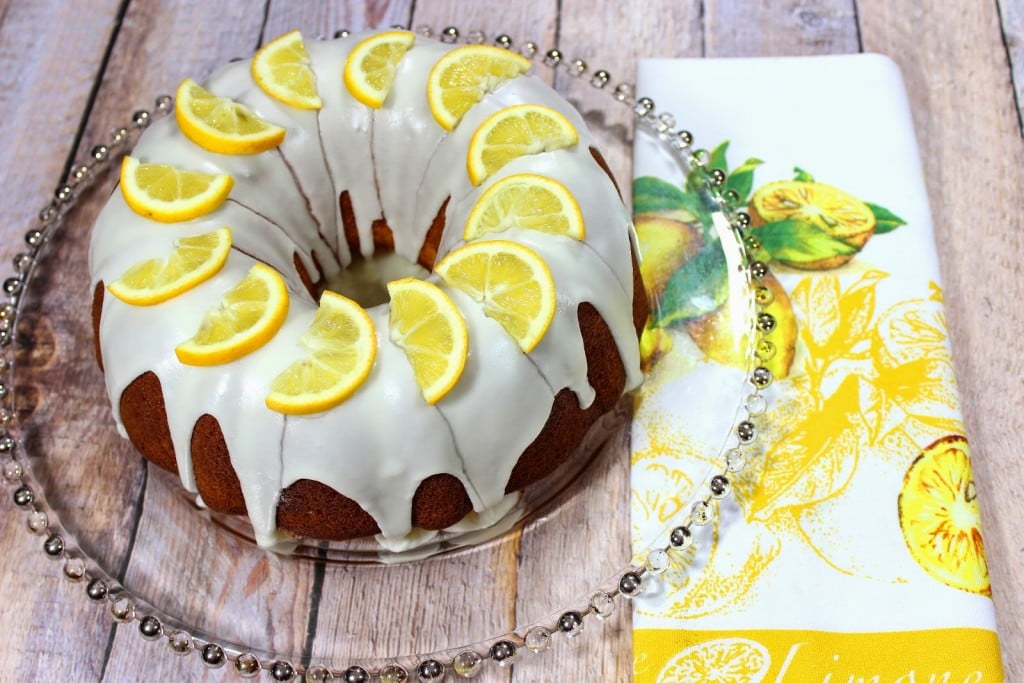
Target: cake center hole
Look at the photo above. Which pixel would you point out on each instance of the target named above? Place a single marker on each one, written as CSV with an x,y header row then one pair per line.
x,y
366,281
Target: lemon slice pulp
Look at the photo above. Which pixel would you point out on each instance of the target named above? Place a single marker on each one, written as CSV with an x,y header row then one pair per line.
x,y
512,282
282,69
342,346
371,65
513,132
168,194
193,261
248,316
463,76
221,125
525,201
427,325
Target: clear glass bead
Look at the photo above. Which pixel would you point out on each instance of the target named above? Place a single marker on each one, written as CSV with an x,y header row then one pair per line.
x,y
122,610
735,460
701,513
6,416
12,471
180,643
538,639
318,674
658,561
74,568
37,522
393,673
468,664
247,665
756,404
602,605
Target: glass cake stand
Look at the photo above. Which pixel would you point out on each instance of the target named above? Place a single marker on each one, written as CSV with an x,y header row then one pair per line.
x,y
150,559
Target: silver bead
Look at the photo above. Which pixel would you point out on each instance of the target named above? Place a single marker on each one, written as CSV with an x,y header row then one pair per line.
x,y
23,496
180,643
150,628
99,152
355,674
449,34
700,513
742,219
681,538
758,270
658,561
503,653
34,237
685,138
761,377
602,605
631,585
37,522
164,103
765,322
735,460
430,670
6,416
12,285
553,57
468,664
7,443
64,194
213,656
571,624
247,665
720,486
342,33
645,105
282,671
12,471
6,336
122,610
538,639
96,590
503,40
393,673
718,177
53,545
318,674
3,390
746,431
74,569
600,78
140,119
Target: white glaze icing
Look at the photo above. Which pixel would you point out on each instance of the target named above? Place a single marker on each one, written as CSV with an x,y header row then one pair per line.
x,y
396,163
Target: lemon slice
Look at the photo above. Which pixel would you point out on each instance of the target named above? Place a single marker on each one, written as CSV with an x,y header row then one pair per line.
x,y
342,344
525,201
940,516
462,77
248,316
168,194
371,65
428,326
838,213
194,260
281,68
511,281
221,125
514,132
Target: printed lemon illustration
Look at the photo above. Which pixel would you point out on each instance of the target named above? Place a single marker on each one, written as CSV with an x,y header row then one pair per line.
x,y
940,518
909,331
726,660
715,334
655,344
810,225
665,245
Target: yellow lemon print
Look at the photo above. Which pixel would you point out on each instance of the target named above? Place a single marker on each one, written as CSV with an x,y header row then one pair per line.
x,y
940,518
726,660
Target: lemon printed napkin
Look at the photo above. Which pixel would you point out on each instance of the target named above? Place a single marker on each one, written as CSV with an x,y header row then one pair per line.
x,y
850,548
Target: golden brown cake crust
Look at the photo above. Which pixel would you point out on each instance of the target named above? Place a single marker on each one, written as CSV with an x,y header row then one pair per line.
x,y
216,478
144,416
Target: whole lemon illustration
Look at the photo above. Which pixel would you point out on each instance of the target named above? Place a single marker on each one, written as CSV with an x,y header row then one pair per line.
x,y
665,244
838,214
940,517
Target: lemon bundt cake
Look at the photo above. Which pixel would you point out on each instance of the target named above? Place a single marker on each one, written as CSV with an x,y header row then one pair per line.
x,y
360,286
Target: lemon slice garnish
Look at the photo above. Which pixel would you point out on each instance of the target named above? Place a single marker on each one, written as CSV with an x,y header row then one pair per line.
x,y
282,69
371,65
427,325
342,345
194,260
168,194
221,125
463,76
514,132
248,316
525,201
512,282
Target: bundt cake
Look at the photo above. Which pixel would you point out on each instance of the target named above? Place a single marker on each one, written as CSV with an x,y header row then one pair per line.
x,y
360,286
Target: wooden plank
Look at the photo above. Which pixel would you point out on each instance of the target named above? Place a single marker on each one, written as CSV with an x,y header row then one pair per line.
x,y
738,28
958,77
323,18
42,96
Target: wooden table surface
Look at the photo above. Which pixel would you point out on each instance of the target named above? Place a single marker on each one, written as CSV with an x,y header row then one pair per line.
x,y
69,71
